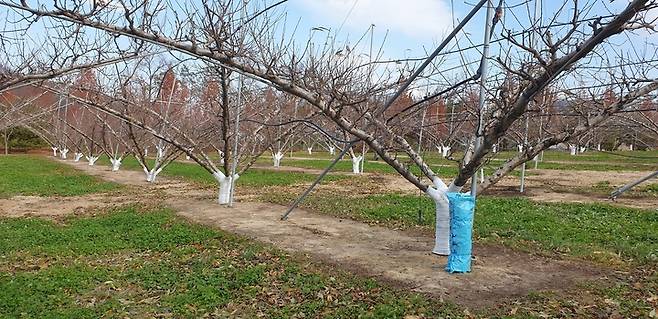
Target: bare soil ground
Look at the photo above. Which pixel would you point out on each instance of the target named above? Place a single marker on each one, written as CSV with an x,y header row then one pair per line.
x,y
398,257
546,185
21,206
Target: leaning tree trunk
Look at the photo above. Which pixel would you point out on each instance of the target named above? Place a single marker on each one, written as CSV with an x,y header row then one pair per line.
x,y
442,230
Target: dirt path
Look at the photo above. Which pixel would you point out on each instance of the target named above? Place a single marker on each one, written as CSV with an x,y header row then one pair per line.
x,y
397,257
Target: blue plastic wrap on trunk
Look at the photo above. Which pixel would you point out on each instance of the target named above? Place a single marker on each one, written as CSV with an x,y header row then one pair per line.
x,y
461,230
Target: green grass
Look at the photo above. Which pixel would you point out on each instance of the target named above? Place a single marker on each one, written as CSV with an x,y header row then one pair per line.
x,y
635,157
344,165
252,178
599,232
36,175
600,167
139,264
651,188
557,160
191,171
446,168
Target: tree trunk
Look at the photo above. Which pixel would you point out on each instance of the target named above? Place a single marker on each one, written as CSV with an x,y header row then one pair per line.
x,y
356,164
92,160
442,230
444,150
152,174
277,159
116,164
6,137
225,185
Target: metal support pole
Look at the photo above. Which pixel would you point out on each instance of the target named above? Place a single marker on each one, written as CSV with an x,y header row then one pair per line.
x,y
630,185
484,63
317,181
236,156
525,144
234,165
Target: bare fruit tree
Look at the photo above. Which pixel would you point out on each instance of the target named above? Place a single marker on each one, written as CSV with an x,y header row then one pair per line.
x,y
535,54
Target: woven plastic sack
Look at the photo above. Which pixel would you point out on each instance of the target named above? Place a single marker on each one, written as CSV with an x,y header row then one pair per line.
x,y
461,230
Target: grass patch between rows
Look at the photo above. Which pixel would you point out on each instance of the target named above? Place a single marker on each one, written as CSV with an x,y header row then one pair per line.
x,y
36,175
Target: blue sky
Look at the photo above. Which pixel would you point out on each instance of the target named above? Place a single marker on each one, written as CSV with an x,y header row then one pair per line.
x,y
415,24
411,24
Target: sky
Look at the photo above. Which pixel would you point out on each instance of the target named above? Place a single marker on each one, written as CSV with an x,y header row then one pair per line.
x,y
410,27
412,23
414,27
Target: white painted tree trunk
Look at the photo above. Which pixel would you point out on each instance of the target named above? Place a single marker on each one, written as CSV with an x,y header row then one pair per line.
x,y
116,163
146,152
630,147
310,150
445,151
277,159
356,164
442,230
572,149
63,153
225,185
54,151
77,157
520,148
438,193
332,150
91,160
598,147
582,149
160,152
494,148
221,157
152,174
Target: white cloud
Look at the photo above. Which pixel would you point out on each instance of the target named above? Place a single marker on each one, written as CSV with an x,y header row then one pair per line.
x,y
420,19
